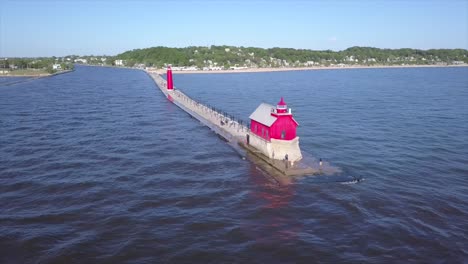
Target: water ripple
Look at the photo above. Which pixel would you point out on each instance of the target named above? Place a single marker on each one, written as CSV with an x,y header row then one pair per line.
x,y
97,166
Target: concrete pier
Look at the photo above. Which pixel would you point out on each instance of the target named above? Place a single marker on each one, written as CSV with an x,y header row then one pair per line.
x,y
229,129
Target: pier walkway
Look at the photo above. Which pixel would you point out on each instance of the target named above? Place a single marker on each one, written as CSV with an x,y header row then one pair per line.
x,y
232,129
228,127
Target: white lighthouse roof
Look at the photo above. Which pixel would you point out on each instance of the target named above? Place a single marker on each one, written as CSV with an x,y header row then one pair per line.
x,y
263,114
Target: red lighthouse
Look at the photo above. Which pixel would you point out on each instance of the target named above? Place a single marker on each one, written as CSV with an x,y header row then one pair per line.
x,y
269,122
170,84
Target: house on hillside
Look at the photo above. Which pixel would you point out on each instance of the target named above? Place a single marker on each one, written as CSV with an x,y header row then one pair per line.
x,y
119,63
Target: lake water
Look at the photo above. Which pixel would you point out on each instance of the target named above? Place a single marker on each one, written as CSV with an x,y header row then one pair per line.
x,y
97,166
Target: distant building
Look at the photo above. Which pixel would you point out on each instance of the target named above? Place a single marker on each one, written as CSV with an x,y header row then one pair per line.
x,y
185,68
80,60
119,63
237,68
349,58
57,67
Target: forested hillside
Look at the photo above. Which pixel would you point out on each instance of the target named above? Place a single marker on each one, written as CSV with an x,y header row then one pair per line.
x,y
229,56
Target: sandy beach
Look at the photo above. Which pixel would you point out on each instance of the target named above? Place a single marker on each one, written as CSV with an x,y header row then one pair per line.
x,y
253,70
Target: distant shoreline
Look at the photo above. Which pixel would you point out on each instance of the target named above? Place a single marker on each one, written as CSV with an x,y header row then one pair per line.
x,y
248,70
253,70
38,75
26,75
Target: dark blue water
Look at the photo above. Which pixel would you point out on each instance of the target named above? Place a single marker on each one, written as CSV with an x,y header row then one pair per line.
x,y
96,166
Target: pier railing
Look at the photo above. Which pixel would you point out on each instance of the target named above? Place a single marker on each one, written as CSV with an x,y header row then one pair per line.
x,y
223,118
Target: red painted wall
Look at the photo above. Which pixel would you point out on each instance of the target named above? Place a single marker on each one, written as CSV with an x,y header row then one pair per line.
x,y
286,124
283,123
257,127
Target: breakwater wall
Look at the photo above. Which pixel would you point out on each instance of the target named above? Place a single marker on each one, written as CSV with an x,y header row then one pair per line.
x,y
232,129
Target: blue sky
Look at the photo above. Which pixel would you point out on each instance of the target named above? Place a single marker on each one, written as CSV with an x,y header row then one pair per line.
x,y
57,28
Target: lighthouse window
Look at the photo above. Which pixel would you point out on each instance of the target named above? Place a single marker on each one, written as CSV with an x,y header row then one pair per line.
x,y
267,134
263,131
283,134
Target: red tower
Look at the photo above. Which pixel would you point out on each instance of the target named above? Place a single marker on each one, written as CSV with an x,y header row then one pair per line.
x,y
170,84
